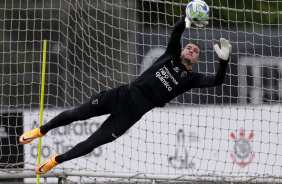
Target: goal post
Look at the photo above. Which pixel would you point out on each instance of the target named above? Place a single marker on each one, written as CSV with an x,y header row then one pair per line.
x,y
230,133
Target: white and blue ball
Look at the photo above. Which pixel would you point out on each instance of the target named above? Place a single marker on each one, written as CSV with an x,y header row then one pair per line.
x,y
197,11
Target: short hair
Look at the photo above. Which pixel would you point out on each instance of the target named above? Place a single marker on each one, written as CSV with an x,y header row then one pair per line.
x,y
197,46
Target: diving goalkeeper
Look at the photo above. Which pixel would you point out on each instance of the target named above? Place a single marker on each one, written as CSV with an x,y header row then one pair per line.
x,y
170,76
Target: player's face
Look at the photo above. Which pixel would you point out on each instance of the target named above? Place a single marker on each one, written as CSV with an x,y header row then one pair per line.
x,y
191,54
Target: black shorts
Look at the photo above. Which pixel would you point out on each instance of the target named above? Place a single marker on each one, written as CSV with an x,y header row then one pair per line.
x,y
118,103
123,114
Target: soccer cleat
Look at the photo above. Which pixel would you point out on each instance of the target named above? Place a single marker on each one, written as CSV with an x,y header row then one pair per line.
x,y
47,165
30,136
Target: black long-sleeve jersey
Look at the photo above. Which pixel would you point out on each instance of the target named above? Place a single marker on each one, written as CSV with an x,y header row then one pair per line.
x,y
168,77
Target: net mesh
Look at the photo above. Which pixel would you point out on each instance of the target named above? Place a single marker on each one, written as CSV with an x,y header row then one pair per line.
x,y
217,134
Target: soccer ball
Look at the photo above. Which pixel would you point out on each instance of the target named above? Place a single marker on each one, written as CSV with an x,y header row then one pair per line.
x,y
197,11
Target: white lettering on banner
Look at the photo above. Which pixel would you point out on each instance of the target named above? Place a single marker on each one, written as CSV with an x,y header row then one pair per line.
x,y
163,74
82,128
75,129
46,151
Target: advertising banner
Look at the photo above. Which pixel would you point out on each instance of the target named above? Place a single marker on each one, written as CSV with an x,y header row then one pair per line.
x,y
231,141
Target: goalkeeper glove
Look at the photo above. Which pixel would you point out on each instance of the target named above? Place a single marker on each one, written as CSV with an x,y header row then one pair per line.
x,y
225,50
201,24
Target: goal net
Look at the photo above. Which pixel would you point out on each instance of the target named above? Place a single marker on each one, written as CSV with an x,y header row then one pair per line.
x,y
230,133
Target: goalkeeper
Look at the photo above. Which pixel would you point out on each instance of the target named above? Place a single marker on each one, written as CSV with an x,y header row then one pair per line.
x,y
170,76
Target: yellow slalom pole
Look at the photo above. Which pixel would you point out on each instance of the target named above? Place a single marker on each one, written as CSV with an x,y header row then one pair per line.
x,y
42,101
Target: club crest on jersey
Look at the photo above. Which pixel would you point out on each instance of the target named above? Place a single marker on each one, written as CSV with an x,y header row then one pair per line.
x,y
184,74
95,102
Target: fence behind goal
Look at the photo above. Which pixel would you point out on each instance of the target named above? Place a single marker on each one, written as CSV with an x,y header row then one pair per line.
x,y
230,133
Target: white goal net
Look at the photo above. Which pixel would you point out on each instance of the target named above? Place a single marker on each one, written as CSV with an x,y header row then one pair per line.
x,y
231,133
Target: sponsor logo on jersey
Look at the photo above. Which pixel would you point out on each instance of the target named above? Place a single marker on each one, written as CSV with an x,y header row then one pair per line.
x,y
115,136
95,102
176,69
164,75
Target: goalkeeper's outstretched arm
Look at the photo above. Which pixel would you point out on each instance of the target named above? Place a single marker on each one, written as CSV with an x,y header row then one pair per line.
x,y
223,53
175,36
177,31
